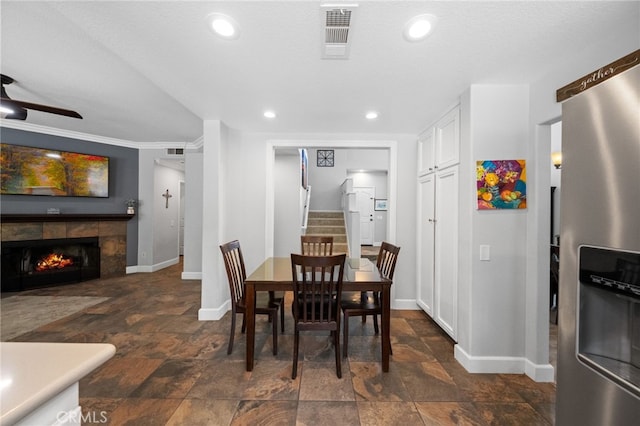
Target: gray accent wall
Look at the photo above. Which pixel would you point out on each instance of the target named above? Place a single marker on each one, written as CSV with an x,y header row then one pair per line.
x,y
123,182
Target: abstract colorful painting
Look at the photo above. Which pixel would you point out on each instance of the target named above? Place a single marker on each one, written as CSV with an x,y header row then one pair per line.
x,y
26,170
501,184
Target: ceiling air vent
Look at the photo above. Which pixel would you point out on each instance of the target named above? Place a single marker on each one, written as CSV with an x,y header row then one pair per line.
x,y
175,151
337,22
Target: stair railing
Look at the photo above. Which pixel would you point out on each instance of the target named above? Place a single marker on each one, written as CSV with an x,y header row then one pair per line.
x,y
305,209
351,218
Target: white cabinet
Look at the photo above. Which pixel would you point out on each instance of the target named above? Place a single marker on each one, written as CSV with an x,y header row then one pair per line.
x,y
438,188
439,146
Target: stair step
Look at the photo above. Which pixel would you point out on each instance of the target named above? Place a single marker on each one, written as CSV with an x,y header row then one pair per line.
x,y
323,221
329,223
327,214
337,238
323,230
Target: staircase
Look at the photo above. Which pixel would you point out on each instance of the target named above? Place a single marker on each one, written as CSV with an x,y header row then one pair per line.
x,y
329,223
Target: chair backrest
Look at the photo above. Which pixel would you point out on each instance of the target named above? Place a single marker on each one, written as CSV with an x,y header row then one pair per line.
x,y
236,273
386,261
316,245
317,284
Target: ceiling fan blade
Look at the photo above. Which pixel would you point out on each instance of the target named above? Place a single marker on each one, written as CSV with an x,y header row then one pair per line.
x,y
13,112
38,107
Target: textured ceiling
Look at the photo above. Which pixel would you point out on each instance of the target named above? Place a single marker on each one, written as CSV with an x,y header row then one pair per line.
x,y
151,71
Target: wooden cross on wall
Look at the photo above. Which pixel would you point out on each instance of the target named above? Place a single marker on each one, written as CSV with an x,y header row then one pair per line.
x,y
166,195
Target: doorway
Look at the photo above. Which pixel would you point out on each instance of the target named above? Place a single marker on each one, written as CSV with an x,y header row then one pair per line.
x,y
272,146
365,197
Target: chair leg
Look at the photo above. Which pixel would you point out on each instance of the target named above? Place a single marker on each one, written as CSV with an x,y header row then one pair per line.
x,y
346,334
296,341
233,331
375,324
275,332
336,342
363,296
282,315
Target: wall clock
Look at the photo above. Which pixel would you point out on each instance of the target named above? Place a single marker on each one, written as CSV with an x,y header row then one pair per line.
x,y
325,158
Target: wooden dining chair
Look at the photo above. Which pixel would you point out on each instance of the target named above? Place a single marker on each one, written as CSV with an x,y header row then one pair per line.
x,y
236,275
368,303
316,245
317,289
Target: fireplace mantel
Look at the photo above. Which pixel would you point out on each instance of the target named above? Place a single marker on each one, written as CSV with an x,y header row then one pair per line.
x,y
23,218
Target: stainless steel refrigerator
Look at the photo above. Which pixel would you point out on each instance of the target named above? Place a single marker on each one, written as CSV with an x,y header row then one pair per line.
x,y
598,376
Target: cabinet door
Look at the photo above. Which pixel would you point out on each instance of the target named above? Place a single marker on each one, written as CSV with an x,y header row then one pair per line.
x,y
426,152
447,141
446,250
424,261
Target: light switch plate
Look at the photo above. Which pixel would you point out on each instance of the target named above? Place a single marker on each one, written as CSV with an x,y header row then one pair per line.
x,y
485,253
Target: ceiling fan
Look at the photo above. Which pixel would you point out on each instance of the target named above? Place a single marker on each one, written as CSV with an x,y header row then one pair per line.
x,y
17,110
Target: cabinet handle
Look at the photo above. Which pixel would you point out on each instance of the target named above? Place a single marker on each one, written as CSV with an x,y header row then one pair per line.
x,y
432,220
435,167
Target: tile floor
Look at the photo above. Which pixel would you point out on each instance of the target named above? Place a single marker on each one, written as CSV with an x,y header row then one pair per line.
x,y
171,369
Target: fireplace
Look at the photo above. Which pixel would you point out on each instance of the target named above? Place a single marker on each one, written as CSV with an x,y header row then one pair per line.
x,y
37,263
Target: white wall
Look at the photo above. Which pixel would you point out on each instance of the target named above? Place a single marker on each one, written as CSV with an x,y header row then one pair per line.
x,y
326,181
287,184
216,174
192,260
495,118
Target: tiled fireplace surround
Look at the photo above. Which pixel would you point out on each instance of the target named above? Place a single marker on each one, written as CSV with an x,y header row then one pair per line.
x,y
111,230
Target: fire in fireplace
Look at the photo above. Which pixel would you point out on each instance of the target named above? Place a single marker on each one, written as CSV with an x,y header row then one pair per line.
x,y
36,263
53,261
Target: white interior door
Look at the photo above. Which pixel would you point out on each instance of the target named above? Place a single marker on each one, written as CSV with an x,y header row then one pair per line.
x,y
446,252
426,230
365,197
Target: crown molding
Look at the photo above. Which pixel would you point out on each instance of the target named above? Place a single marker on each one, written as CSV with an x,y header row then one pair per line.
x,y
19,125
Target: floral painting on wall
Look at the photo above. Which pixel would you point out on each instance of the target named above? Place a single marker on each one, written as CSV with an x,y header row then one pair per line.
x,y
501,184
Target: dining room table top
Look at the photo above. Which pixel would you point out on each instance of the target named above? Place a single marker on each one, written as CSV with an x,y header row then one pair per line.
x,y
278,270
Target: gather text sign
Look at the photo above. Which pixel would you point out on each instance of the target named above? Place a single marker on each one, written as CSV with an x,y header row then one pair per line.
x,y
598,76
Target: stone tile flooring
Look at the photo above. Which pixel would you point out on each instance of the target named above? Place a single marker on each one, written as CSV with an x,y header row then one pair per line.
x,y
171,369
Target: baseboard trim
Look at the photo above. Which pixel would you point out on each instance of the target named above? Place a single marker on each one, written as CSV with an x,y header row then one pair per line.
x,y
503,365
152,268
213,314
191,276
488,364
540,372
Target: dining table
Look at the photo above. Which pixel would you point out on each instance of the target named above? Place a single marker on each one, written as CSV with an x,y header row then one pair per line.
x,y
274,274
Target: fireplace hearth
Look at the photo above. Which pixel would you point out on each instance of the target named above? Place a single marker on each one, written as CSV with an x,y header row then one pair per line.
x,y
38,263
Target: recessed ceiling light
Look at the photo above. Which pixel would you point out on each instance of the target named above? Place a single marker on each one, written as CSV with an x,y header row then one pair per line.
x,y
371,115
269,114
419,27
223,26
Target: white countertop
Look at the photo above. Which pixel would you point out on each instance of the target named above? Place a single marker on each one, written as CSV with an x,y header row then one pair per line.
x,y
32,373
